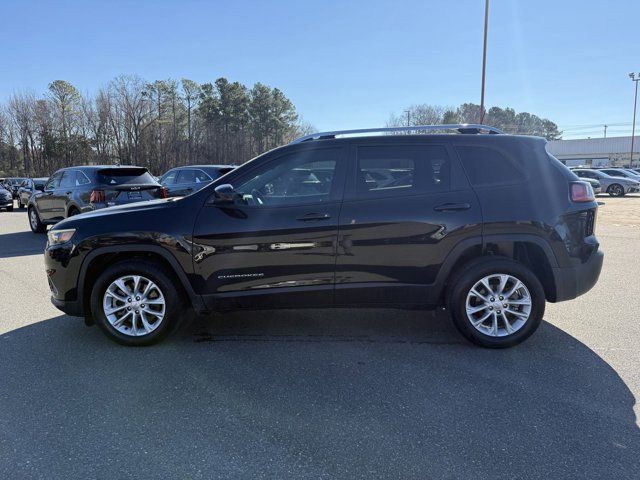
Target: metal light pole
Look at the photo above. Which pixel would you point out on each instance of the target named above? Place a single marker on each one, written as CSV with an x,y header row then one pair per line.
x,y
634,79
484,58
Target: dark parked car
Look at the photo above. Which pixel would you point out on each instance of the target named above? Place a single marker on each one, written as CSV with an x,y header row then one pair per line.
x,y
6,199
75,190
183,181
12,184
595,184
28,187
489,226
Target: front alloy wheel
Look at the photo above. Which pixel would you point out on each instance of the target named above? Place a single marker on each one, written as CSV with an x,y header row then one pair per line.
x,y
136,302
134,305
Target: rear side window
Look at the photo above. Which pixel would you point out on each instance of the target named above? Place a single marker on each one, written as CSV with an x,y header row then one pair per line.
x,y
402,170
489,166
82,179
191,175
169,178
68,179
121,176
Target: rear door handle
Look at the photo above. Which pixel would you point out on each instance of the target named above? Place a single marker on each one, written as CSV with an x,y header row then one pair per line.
x,y
451,207
314,216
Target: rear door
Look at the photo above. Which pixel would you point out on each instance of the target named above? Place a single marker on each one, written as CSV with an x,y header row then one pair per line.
x,y
276,245
406,207
44,200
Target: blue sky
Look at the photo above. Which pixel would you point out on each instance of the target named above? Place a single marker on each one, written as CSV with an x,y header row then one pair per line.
x,y
345,64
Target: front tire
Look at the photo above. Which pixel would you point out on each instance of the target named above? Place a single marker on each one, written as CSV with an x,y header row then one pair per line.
x,y
496,302
34,221
135,303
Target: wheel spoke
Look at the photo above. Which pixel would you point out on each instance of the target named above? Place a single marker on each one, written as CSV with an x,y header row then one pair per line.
x,y
121,320
494,325
116,296
478,294
481,319
485,283
517,314
145,323
515,287
123,288
522,301
472,310
114,309
136,283
507,325
503,283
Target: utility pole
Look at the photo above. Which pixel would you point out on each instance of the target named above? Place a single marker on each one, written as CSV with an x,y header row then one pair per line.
x,y
634,79
408,112
605,131
484,58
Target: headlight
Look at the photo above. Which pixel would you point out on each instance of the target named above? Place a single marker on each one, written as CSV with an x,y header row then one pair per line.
x,y
56,237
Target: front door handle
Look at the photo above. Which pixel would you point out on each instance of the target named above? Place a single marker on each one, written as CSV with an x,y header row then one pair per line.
x,y
314,216
451,207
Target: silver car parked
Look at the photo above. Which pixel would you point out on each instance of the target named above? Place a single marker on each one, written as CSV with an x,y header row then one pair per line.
x,y
614,186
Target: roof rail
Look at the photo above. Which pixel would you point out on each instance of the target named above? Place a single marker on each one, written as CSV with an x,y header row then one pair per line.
x,y
466,128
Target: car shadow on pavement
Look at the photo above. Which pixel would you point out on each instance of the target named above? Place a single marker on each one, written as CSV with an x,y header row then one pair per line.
x,y
19,244
310,394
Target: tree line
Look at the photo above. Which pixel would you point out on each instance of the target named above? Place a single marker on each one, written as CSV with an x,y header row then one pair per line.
x,y
506,119
158,125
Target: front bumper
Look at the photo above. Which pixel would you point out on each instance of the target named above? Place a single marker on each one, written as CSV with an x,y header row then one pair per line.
x,y
73,308
571,282
62,264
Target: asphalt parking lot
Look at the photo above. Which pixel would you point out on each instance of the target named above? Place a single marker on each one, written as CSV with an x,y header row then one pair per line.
x,y
322,393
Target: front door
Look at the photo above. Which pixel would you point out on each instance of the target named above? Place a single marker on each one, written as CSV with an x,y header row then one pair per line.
x,y
406,207
276,245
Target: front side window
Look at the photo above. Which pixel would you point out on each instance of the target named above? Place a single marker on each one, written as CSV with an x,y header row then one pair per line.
x,y
300,178
402,170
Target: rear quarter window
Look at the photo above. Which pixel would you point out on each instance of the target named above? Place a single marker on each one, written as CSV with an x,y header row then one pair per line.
x,y
487,166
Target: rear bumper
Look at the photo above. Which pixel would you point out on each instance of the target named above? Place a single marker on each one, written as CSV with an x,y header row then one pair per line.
x,y
571,282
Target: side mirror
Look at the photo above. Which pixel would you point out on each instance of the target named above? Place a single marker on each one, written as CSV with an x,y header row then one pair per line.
x,y
225,194
39,187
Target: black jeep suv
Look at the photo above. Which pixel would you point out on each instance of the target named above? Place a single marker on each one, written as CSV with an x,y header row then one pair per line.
x,y
75,190
487,225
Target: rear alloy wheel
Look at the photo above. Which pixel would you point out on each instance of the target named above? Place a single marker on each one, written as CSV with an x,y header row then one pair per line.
x,y
496,302
135,303
34,221
616,190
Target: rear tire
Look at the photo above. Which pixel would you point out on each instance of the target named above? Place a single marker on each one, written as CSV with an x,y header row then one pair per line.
x,y
34,221
10,209
616,190
505,324
118,304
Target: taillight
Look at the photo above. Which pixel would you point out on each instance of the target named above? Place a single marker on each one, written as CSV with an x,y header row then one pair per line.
x,y
582,192
97,196
163,192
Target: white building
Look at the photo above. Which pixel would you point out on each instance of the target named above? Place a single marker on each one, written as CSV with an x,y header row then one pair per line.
x,y
596,152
